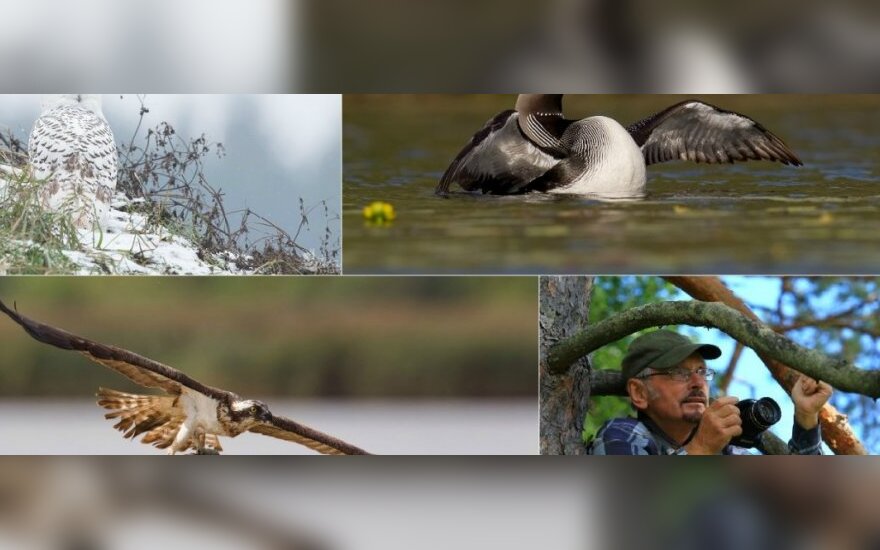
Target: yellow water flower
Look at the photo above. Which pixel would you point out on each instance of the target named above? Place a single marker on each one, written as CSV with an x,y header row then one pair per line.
x,y
379,212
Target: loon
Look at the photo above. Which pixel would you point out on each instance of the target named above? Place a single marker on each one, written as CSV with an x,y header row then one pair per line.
x,y
533,147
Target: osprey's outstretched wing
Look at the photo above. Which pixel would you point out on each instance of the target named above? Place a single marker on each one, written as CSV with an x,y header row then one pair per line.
x,y
288,430
159,417
699,132
137,368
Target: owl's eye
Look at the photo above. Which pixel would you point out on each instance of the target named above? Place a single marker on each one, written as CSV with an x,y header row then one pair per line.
x,y
254,410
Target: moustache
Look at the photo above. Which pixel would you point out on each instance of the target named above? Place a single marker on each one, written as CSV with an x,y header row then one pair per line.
x,y
696,395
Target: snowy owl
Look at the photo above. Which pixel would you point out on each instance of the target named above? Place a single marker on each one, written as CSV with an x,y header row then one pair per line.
x,y
72,150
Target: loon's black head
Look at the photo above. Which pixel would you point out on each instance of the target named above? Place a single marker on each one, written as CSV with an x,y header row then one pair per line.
x,y
549,104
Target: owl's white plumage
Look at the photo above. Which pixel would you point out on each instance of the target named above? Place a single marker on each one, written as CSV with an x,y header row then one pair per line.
x,y
73,152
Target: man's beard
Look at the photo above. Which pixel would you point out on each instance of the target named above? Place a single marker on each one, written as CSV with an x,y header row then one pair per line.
x,y
695,416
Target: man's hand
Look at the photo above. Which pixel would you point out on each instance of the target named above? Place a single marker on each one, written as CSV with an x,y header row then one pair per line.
x,y
720,424
809,397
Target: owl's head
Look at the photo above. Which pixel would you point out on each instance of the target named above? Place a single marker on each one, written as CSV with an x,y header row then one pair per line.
x,y
92,102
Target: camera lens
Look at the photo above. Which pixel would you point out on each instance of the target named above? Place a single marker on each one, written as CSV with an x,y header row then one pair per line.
x,y
765,412
757,415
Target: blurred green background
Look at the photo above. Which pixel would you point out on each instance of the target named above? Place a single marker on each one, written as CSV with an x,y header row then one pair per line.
x,y
323,337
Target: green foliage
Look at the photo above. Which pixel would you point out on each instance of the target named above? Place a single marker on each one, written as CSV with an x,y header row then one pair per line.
x,y
612,295
838,315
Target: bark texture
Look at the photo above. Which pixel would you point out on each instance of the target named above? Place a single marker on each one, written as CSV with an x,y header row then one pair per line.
x,y
565,393
837,372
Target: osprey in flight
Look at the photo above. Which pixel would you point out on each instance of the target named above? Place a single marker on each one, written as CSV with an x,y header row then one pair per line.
x,y
191,415
73,152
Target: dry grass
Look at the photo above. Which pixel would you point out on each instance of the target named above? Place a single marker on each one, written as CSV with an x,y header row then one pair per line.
x,y
167,172
32,239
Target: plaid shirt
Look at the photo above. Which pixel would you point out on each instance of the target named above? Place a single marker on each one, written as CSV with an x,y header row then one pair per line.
x,y
632,436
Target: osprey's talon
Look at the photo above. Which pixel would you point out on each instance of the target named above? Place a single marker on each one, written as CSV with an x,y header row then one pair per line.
x,y
207,451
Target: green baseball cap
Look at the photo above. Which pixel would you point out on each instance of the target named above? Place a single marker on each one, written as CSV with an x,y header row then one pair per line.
x,y
661,350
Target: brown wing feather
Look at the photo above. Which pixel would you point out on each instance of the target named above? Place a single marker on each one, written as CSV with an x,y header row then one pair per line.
x,y
163,436
288,430
156,416
137,368
139,413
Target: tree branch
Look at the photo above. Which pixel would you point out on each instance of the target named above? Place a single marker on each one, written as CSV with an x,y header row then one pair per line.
x,y
849,324
836,432
727,377
773,445
837,372
607,382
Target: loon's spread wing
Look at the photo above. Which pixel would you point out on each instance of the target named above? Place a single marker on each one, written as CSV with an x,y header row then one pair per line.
x,y
699,132
466,166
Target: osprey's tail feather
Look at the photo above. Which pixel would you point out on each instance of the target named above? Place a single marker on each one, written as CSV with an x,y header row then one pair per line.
x,y
153,415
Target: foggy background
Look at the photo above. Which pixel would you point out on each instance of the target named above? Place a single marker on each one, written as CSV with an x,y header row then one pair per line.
x,y
279,148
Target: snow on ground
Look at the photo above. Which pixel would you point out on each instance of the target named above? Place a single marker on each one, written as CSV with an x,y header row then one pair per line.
x,y
127,244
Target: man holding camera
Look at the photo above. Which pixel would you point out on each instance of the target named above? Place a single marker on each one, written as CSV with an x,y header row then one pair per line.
x,y
667,380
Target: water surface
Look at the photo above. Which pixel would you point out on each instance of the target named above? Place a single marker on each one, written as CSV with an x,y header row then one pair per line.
x,y
755,217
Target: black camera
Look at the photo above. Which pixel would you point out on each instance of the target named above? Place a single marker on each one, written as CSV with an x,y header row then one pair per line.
x,y
757,415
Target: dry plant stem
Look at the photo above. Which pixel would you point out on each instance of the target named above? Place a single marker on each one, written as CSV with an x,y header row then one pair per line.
x,y
836,431
167,170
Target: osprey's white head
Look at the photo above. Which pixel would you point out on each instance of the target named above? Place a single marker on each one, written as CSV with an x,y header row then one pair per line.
x,y
246,410
92,102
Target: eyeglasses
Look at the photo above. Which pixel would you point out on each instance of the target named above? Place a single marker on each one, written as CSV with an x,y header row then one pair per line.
x,y
683,375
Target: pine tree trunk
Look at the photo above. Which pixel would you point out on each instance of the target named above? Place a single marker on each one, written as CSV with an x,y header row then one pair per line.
x,y
564,310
